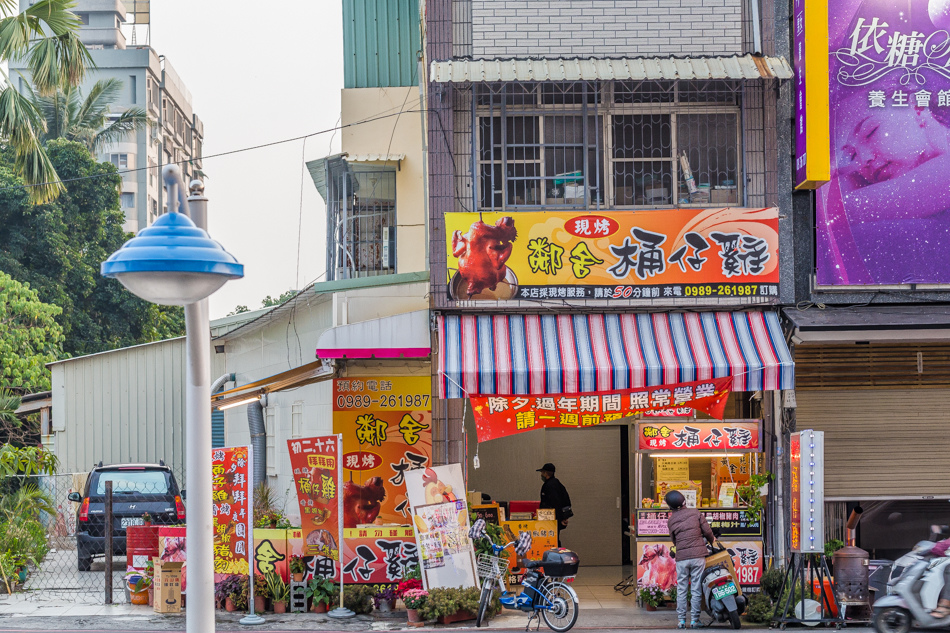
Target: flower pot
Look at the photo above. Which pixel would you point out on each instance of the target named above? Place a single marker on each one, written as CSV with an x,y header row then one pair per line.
x,y
140,597
298,577
280,607
413,615
387,606
151,597
273,525
21,575
458,616
259,604
319,607
650,607
229,604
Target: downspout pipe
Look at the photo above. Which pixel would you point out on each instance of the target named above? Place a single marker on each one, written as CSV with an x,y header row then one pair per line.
x,y
255,423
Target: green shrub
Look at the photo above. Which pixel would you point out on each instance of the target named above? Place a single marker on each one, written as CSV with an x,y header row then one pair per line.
x,y
759,609
358,598
833,546
445,601
771,582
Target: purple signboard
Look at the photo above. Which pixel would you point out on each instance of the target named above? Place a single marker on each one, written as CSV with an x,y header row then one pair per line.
x,y
884,218
801,149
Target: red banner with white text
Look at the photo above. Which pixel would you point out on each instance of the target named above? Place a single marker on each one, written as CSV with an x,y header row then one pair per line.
x,y
499,416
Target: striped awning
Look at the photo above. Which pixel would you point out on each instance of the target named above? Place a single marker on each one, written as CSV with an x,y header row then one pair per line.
x,y
547,354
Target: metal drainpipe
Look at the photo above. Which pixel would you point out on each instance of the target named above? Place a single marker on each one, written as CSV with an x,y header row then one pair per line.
x,y
255,423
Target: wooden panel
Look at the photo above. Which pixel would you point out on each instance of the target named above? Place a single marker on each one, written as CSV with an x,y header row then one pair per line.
x,y
872,366
881,443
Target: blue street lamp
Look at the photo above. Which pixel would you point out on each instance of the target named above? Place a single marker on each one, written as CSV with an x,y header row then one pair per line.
x,y
174,262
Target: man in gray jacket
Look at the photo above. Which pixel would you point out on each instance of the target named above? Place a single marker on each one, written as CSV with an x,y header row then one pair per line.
x,y
689,531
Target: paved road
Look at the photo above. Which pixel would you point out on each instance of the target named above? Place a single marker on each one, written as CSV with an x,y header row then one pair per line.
x,y
271,630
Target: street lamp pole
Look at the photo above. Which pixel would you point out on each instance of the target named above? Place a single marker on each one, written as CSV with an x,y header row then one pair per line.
x,y
199,616
174,262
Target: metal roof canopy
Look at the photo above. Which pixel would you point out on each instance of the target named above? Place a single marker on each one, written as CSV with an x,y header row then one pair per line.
x,y
297,377
870,323
629,68
398,336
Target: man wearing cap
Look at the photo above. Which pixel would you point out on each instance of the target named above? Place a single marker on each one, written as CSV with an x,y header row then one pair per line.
x,y
554,496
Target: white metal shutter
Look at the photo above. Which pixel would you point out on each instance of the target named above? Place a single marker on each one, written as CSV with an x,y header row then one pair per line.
x,y
884,443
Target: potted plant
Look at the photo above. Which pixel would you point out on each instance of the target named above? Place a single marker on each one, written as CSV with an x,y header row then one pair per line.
x,y
150,573
261,593
147,519
651,596
237,588
220,593
138,584
358,598
297,567
415,599
450,604
279,592
406,585
385,599
321,593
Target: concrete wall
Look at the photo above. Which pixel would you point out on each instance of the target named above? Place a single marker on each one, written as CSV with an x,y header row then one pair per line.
x,y
393,135
605,28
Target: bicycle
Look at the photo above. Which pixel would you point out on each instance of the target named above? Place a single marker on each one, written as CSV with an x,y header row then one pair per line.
x,y
544,596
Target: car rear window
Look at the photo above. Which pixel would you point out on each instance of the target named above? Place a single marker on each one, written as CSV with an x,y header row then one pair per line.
x,y
152,482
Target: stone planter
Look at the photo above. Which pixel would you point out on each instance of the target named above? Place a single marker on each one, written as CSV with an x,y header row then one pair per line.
x,y
458,616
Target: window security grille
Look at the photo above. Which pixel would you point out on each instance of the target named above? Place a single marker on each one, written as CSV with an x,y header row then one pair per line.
x,y
361,219
595,145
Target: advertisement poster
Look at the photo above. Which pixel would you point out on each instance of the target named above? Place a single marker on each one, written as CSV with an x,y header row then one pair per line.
x,y
378,555
315,465
441,522
731,470
728,522
231,519
543,538
499,416
669,253
699,436
656,566
884,218
171,549
386,424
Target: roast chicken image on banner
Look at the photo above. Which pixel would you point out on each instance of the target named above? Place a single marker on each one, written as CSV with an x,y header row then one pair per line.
x,y
361,503
482,255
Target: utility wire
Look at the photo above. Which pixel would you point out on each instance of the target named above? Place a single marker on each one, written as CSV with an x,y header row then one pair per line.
x,y
219,154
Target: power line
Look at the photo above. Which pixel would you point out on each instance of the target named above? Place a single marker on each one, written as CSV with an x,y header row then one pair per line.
x,y
218,155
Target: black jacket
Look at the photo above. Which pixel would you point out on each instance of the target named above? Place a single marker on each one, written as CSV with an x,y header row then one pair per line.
x,y
554,495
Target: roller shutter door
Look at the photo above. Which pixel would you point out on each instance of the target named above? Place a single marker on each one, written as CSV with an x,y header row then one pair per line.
x,y
881,443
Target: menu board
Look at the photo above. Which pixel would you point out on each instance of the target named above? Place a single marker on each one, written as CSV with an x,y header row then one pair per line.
x,y
672,468
728,522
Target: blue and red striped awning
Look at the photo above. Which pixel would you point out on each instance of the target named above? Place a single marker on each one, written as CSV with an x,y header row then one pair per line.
x,y
545,354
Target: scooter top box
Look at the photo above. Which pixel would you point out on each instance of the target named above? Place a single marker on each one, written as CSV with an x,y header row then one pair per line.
x,y
560,562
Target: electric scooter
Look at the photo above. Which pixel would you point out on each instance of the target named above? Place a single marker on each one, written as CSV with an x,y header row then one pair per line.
x,y
722,597
913,589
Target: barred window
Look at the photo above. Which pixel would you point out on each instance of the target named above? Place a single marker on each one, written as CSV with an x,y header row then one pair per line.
x,y
591,145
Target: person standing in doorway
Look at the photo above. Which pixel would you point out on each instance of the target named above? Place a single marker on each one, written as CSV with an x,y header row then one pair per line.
x,y
554,496
688,529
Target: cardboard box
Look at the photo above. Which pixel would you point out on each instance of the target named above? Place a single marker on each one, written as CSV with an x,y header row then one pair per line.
x,y
167,586
723,196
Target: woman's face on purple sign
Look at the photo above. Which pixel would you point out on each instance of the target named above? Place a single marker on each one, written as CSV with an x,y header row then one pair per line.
x,y
884,143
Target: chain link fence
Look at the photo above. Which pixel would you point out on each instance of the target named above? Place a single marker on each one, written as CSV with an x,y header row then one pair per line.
x,y
47,551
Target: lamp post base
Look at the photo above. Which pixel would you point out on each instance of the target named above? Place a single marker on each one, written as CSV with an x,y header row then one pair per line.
x,y
341,613
252,619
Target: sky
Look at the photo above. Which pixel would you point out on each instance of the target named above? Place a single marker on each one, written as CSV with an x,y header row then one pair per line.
x,y
259,76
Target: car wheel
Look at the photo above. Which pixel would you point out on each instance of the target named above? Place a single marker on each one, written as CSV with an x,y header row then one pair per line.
x,y
84,561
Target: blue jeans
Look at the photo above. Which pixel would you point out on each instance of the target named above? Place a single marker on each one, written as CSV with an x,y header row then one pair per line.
x,y
689,572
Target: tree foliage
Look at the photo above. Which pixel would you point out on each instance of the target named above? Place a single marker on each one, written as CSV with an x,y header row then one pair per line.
x,y
70,115
45,34
58,248
267,302
30,337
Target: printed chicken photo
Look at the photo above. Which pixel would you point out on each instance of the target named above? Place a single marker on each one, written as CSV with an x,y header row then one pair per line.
x,y
483,253
659,567
361,503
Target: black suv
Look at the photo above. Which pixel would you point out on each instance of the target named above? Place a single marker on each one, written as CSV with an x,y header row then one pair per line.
x,y
136,489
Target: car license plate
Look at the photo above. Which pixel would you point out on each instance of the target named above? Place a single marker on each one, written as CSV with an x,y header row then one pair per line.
x,y
127,521
724,590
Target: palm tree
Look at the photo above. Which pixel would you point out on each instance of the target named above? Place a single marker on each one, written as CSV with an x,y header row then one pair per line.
x,y
68,115
46,35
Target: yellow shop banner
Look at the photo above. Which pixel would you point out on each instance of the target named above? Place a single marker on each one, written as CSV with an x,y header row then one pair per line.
x,y
670,253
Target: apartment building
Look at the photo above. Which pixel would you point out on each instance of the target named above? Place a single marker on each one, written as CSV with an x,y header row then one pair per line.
x,y
149,80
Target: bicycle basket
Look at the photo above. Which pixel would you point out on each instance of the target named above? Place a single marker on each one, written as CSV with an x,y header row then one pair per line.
x,y
492,567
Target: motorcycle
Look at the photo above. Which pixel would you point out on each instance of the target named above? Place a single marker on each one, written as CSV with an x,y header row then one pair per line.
x,y
913,589
722,597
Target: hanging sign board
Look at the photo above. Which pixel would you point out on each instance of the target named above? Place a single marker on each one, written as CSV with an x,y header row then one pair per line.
x,y
499,416
731,435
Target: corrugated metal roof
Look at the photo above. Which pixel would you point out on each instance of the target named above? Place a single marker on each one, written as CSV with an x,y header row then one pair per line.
x,y
373,158
381,39
318,171
634,68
